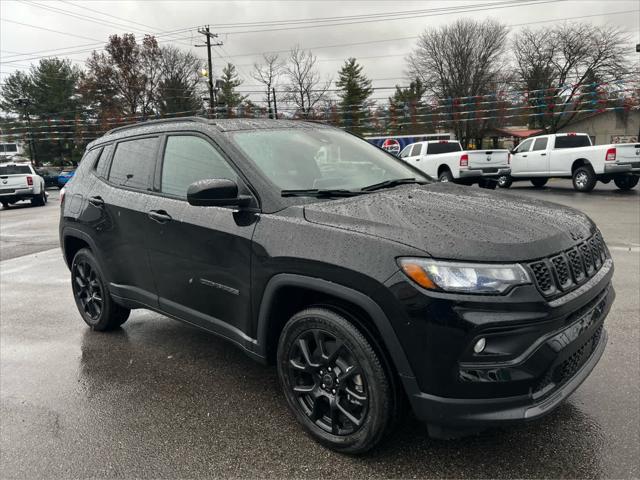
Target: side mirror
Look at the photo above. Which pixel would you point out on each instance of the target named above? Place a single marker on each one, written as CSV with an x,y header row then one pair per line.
x,y
216,192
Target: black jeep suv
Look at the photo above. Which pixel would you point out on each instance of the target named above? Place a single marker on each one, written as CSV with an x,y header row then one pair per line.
x,y
366,283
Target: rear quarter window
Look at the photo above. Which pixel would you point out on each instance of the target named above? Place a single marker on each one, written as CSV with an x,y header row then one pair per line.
x,y
134,163
102,165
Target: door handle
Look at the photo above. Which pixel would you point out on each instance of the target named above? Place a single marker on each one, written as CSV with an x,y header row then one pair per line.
x,y
543,154
159,216
96,201
524,155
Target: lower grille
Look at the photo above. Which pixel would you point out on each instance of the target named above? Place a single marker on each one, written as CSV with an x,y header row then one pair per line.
x,y
564,371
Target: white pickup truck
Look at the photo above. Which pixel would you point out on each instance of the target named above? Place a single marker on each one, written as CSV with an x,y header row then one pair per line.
x,y
19,181
448,162
571,155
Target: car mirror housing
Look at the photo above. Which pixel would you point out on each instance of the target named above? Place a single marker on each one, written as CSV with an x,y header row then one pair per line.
x,y
216,192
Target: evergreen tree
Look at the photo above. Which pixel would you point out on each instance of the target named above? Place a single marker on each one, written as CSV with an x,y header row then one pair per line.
x,y
50,89
355,90
228,98
409,106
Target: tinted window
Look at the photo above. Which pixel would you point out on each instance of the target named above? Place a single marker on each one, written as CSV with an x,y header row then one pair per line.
x,y
572,141
133,163
540,144
415,150
524,147
188,159
102,165
443,147
14,169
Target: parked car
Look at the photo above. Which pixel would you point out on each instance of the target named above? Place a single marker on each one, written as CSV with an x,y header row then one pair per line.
x,y
64,177
571,155
49,175
19,181
365,286
448,162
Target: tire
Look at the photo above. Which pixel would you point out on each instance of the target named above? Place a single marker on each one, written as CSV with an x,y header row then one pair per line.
x,y
90,292
584,179
40,200
626,182
488,184
5,204
505,181
445,176
344,398
539,182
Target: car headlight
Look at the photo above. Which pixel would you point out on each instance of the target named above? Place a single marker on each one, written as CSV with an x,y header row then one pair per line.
x,y
464,277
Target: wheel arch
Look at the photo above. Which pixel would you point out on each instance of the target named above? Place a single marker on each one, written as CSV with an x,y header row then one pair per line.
x,y
74,240
286,294
443,168
580,162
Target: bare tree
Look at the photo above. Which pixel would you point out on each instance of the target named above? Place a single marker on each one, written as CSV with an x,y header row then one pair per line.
x,y
461,61
305,88
267,73
562,65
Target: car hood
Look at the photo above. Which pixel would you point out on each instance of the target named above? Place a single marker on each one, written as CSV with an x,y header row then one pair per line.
x,y
448,221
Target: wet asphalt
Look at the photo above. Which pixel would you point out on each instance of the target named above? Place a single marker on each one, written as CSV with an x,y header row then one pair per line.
x,y
159,399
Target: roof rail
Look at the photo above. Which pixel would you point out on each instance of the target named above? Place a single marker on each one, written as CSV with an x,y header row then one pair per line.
x,y
154,122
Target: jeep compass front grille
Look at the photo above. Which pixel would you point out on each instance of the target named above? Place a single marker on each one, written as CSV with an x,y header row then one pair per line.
x,y
567,270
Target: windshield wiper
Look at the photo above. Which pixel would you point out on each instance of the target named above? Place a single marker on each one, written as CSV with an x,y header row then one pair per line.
x,y
391,183
315,192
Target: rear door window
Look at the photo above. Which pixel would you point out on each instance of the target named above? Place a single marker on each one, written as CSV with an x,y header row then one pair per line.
x,y
572,141
540,144
187,159
134,163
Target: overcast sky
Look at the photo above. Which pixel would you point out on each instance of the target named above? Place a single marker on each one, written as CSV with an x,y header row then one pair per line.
x,y
82,26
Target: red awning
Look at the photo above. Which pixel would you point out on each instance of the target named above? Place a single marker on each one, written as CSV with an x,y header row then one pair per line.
x,y
507,132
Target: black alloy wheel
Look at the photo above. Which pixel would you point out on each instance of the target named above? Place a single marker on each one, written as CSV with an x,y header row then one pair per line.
x,y
328,381
93,300
88,290
336,383
626,182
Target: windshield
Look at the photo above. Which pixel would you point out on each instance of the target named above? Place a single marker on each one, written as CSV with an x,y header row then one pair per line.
x,y
572,141
443,147
305,159
14,169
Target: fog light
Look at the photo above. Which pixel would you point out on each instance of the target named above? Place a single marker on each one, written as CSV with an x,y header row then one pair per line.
x,y
479,346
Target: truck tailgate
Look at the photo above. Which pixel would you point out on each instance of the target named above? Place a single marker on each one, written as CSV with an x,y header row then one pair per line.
x,y
9,183
487,158
628,153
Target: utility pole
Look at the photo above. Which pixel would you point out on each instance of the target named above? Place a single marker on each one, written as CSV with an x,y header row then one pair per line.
x,y
275,106
24,103
207,33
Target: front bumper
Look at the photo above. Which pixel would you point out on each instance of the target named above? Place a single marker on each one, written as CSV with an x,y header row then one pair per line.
x,y
478,413
631,167
488,172
537,351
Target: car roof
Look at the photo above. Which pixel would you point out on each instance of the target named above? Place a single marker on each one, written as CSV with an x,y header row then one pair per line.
x,y
219,125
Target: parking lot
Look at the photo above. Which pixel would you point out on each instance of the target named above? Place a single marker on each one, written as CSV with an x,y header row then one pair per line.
x,y
161,399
